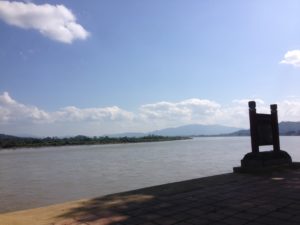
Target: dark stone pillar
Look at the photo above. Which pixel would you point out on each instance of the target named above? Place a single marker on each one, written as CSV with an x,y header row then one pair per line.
x,y
253,127
275,128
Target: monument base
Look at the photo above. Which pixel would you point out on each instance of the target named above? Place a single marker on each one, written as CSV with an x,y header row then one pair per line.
x,y
264,161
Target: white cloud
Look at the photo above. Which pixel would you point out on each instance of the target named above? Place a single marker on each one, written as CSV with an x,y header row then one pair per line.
x,y
245,101
289,110
53,21
12,111
185,111
190,111
292,58
73,114
165,114
16,117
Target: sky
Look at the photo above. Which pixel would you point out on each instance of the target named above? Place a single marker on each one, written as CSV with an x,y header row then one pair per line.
x,y
103,67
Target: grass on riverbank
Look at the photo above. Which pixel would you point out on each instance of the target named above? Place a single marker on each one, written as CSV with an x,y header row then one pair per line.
x,y
7,141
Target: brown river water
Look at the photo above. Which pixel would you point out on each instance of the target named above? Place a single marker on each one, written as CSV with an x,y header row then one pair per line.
x,y
37,177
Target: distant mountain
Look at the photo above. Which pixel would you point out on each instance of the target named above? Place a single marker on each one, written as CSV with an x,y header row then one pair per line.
x,y
7,137
285,128
240,133
289,128
127,134
187,130
18,135
195,130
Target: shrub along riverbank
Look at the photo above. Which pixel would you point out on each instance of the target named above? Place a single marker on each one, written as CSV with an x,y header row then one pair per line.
x,y
7,141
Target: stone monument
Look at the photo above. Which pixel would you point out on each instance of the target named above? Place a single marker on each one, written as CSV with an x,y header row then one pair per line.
x,y
264,131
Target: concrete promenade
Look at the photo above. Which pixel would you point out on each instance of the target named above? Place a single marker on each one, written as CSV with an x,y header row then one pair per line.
x,y
266,199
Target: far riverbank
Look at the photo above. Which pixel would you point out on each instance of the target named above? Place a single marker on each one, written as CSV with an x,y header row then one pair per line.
x,y
12,142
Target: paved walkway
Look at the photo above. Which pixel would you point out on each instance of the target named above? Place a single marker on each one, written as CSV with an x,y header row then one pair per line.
x,y
267,199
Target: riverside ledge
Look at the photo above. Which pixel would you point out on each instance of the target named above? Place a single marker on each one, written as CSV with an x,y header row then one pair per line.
x,y
254,199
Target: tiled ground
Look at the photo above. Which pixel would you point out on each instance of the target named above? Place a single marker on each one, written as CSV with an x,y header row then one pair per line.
x,y
267,199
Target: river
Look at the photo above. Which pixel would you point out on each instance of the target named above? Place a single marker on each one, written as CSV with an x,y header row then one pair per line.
x,y
41,176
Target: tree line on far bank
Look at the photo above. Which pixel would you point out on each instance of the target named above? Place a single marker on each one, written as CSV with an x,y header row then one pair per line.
x,y
7,141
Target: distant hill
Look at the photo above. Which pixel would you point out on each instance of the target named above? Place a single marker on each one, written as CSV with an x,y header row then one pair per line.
x,y
285,128
243,132
289,128
127,134
187,130
7,137
196,130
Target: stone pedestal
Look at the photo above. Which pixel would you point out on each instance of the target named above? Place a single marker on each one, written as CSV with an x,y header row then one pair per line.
x,y
264,130
262,161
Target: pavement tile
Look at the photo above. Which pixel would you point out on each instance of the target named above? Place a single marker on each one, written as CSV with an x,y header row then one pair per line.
x,y
235,221
199,221
268,220
138,212
196,211
269,207
179,208
195,205
259,210
149,216
133,221
162,205
166,221
184,223
181,217
295,218
228,211
168,212
255,223
295,206
280,215
216,216
247,216
147,223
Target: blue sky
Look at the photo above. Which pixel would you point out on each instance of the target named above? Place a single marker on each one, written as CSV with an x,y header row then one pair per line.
x,y
70,67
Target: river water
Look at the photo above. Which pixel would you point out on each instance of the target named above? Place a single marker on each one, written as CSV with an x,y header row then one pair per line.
x,y
41,176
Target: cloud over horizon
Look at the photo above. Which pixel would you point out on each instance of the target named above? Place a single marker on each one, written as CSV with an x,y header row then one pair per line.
x,y
292,58
56,22
13,111
16,117
183,112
